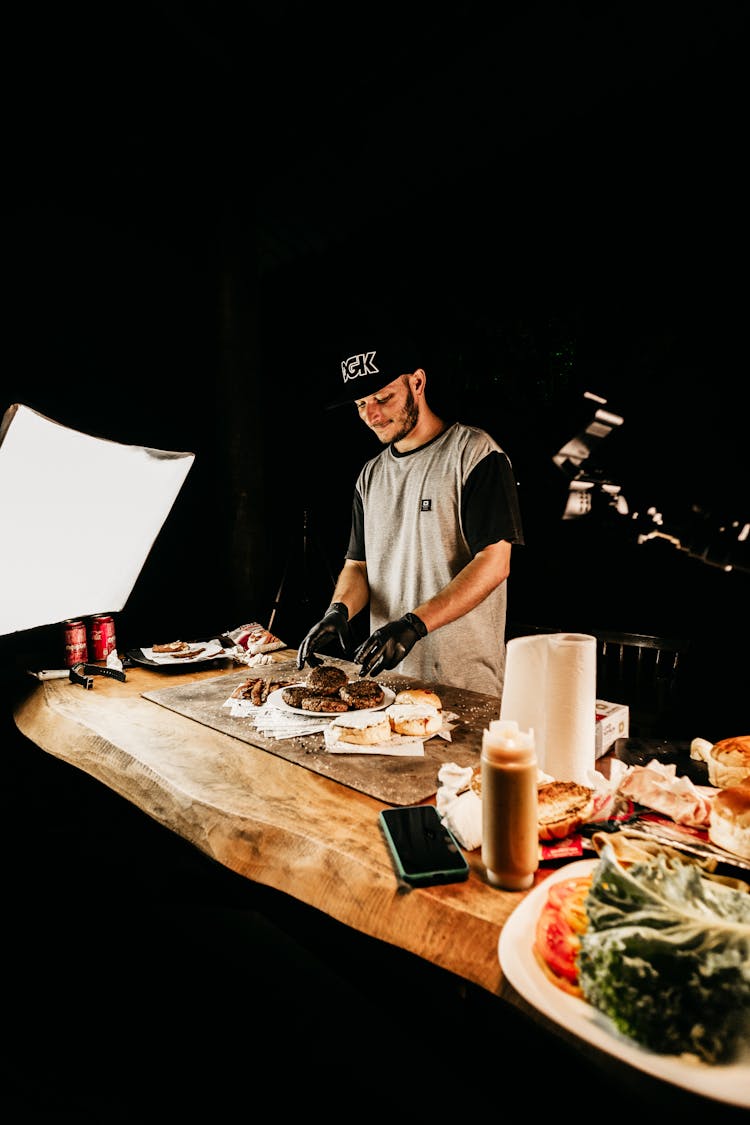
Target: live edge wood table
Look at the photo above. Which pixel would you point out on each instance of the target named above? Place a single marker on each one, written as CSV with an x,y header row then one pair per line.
x,y
283,826
265,817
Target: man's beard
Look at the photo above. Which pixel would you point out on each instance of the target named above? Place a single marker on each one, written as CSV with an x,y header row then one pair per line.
x,y
407,419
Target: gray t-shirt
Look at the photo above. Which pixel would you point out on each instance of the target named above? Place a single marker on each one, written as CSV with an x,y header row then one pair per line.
x,y
417,519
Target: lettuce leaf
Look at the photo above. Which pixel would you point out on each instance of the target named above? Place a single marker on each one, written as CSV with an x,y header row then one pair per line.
x,y
666,955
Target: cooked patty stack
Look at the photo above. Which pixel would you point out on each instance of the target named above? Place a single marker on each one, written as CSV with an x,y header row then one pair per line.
x,y
328,689
324,684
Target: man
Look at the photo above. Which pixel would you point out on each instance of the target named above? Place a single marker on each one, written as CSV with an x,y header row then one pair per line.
x,y
434,517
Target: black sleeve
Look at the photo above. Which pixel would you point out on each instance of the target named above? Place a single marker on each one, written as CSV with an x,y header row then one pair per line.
x,y
356,548
489,504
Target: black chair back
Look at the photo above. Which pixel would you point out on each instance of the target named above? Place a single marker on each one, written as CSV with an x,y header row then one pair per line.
x,y
644,672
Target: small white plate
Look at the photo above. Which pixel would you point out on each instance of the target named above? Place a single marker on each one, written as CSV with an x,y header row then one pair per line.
x,y
275,699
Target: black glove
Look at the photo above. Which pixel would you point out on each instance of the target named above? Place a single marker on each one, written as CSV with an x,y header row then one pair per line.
x,y
389,644
334,624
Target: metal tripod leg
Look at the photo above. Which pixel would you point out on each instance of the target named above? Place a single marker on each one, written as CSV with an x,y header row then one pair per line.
x,y
306,549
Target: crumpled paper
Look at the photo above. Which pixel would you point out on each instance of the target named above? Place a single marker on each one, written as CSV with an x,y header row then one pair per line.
x,y
253,645
656,786
458,806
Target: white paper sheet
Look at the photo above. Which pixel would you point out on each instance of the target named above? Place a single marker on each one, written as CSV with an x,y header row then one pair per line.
x,y
78,516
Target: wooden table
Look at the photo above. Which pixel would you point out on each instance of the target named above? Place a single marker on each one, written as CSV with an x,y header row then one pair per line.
x,y
265,818
294,830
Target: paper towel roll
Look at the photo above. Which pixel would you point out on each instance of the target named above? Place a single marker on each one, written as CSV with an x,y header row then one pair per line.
x,y
550,687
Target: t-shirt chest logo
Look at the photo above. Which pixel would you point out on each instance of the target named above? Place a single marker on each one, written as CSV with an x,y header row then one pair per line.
x,y
425,505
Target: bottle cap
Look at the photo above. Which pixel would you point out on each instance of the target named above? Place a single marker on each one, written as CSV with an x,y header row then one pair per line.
x,y
504,742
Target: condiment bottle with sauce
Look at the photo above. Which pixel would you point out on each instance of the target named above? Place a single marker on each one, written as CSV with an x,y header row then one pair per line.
x,y
510,831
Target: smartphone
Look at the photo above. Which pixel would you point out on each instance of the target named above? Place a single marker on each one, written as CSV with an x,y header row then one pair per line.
x,y
424,851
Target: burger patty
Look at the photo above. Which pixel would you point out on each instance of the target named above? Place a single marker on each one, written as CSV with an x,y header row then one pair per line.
x,y
326,679
173,647
362,693
323,703
294,694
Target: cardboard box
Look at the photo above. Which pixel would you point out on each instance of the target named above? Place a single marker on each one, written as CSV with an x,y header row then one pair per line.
x,y
612,722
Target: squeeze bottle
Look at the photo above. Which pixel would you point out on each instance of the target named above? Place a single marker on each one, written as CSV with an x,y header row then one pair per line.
x,y
510,831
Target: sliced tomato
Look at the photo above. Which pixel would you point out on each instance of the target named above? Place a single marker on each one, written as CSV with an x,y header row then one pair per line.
x,y
559,892
573,905
559,982
557,944
561,921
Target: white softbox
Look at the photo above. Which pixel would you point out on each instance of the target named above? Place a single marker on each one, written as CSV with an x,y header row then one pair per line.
x,y
78,518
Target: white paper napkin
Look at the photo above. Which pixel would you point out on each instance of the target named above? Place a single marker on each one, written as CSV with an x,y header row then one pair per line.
x,y
458,806
274,723
398,745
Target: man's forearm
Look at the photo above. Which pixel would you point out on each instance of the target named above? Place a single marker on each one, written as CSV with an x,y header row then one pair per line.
x,y
352,587
486,571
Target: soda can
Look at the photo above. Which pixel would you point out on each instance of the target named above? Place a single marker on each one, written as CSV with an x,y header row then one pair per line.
x,y
102,636
76,647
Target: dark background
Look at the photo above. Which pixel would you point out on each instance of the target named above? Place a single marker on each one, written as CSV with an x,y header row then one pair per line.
x,y
198,198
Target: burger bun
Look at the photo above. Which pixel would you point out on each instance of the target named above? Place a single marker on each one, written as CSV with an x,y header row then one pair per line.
x,y
563,806
729,820
417,720
419,697
361,728
729,761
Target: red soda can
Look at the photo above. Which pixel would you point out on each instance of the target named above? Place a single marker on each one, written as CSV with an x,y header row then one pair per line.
x,y
102,636
76,648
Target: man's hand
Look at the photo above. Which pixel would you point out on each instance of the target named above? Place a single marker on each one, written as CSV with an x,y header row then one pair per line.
x,y
334,624
389,644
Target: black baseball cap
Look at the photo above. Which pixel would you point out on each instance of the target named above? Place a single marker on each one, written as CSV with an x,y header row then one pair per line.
x,y
369,360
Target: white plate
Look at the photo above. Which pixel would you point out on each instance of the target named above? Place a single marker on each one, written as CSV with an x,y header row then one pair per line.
x,y
275,700
729,1082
